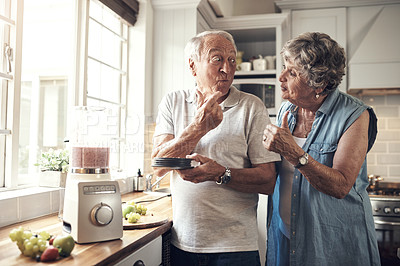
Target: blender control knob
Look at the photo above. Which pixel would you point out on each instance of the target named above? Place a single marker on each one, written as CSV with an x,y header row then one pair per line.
x,y
387,210
101,214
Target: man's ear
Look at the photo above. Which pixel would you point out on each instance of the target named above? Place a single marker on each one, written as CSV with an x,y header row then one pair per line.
x,y
192,66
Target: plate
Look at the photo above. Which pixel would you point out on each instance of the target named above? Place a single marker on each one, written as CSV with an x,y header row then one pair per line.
x,y
172,163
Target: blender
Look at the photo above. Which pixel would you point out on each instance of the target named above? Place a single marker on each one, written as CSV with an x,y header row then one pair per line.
x,y
92,204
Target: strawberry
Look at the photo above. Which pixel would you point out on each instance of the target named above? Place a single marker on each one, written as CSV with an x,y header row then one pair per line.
x,y
49,254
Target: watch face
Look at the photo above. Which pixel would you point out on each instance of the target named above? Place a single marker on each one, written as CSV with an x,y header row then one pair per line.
x,y
303,160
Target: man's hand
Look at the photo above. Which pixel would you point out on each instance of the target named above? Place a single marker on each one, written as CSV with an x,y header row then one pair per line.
x,y
208,170
209,113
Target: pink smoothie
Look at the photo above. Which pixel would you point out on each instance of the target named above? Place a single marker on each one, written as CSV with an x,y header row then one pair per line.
x,y
90,157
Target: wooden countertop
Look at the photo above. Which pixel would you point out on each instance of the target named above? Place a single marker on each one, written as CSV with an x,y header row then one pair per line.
x,y
102,253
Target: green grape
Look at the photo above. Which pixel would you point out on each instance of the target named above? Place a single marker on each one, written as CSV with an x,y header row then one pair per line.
x,y
20,232
140,209
35,248
133,217
26,241
42,248
33,240
28,245
27,234
28,252
13,235
41,242
44,235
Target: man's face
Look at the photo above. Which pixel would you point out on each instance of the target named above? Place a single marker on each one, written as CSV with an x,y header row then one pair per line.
x,y
217,65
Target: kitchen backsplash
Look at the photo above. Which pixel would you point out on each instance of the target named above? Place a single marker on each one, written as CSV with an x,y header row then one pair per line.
x,y
148,146
384,157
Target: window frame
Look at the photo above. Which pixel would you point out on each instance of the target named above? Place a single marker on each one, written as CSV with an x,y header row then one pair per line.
x,y
77,88
11,89
124,69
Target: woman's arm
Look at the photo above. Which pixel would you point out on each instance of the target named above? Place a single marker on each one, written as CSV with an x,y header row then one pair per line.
x,y
349,157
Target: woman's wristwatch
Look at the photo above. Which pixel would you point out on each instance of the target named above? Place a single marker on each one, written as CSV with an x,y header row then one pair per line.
x,y
225,178
303,160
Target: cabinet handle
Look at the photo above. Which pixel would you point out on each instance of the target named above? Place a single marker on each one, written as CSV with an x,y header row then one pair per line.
x,y
139,263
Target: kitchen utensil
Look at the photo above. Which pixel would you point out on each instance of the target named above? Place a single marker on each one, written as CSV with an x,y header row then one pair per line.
x,y
270,61
374,181
245,66
260,64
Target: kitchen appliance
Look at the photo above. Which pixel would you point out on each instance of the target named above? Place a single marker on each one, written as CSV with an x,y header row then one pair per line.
x,y
264,88
92,204
385,201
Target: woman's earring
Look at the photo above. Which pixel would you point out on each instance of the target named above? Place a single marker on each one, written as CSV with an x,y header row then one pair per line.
x,y
316,96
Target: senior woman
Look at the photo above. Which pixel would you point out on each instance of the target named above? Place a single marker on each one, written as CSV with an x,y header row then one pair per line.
x,y
321,213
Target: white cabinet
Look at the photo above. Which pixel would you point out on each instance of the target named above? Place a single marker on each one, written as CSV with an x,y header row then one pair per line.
x,y
262,34
374,55
331,21
150,255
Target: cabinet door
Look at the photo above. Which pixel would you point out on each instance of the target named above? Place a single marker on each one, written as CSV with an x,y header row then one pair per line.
x,y
331,21
150,254
202,24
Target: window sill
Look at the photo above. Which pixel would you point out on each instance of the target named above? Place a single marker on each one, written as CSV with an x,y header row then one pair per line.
x,y
24,191
27,203
23,204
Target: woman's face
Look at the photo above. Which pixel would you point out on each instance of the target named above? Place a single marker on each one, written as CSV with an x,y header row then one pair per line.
x,y
294,87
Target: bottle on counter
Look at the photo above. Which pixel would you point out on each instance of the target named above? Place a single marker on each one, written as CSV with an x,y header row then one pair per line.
x,y
139,182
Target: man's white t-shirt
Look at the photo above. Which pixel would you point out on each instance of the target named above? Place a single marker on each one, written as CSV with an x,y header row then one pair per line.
x,y
207,217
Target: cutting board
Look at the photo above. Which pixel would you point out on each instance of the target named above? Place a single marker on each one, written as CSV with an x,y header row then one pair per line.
x,y
146,221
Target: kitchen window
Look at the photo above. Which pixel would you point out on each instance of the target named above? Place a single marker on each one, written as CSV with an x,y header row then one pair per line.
x,y
73,53
107,70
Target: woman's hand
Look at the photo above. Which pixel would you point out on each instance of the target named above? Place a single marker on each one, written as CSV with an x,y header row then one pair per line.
x,y
208,170
280,140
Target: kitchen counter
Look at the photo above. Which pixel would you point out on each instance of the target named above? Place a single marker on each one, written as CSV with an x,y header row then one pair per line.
x,y
102,253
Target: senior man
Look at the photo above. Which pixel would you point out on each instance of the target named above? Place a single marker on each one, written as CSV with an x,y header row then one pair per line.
x,y
215,124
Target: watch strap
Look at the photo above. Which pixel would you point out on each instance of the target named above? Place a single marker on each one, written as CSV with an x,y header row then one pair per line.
x,y
225,178
305,158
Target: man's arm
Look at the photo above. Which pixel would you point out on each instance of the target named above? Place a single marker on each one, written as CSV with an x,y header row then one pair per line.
x,y
260,178
208,116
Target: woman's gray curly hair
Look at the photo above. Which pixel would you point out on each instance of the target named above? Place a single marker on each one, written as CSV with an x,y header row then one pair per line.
x,y
195,45
318,58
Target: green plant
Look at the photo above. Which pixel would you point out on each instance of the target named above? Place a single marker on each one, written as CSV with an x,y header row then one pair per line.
x,y
54,160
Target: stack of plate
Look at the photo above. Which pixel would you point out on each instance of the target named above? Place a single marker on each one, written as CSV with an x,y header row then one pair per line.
x,y
172,163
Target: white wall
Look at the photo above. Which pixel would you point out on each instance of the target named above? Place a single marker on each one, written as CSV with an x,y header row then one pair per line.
x,y
173,27
139,97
